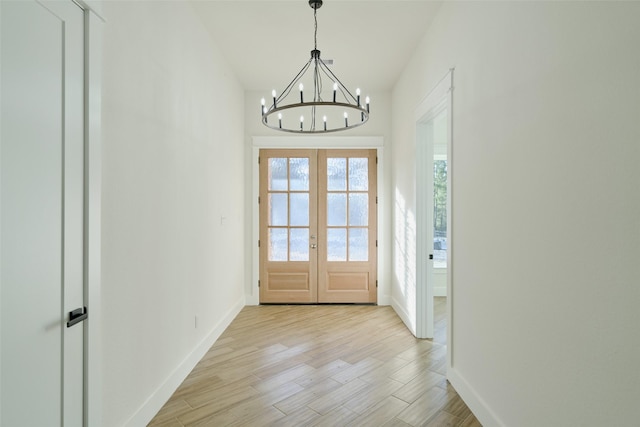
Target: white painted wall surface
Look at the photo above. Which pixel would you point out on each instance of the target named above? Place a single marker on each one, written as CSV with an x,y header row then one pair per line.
x,y
379,124
173,202
546,207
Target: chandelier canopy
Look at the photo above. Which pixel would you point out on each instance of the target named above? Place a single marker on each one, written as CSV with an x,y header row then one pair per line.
x,y
310,112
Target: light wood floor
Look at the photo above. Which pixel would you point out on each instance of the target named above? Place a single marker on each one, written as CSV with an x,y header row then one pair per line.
x,y
319,366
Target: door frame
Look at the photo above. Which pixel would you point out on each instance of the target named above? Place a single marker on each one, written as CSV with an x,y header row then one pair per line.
x,y
315,142
94,21
440,97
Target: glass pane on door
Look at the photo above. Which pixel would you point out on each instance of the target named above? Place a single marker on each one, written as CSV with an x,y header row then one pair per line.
x,y
288,209
278,245
358,209
358,244
336,174
347,208
337,244
299,238
299,209
278,209
278,174
299,170
358,174
336,209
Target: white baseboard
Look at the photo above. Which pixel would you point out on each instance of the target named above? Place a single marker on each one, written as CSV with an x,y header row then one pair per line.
x,y
477,405
155,402
402,313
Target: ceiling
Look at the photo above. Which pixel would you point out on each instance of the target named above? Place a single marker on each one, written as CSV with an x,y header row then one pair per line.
x,y
267,42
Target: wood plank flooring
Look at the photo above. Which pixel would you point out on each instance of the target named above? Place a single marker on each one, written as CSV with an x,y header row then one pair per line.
x,y
329,365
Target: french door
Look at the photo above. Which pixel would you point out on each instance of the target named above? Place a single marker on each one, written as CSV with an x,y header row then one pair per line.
x,y
318,233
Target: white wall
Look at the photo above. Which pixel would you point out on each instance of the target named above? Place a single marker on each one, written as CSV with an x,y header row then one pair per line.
x,y
546,207
173,202
379,124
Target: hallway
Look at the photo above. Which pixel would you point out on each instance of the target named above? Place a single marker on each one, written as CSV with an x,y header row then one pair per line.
x,y
329,365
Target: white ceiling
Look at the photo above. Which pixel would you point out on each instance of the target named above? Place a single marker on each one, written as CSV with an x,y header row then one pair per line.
x,y
267,42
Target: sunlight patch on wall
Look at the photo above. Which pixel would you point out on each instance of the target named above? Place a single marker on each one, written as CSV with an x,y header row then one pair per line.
x,y
405,257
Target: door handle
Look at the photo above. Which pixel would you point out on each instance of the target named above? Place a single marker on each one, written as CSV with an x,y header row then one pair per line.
x,y
430,256
77,316
313,246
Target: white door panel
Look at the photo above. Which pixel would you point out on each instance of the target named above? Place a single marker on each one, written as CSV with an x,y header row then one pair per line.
x,y
41,219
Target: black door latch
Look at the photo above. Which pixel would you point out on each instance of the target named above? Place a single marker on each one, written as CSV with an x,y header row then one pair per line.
x,y
77,316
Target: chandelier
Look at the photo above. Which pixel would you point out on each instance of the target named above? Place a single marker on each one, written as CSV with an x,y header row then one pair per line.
x,y
310,112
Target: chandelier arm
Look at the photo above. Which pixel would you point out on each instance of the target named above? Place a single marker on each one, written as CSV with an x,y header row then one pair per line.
x,y
287,90
333,77
317,83
320,86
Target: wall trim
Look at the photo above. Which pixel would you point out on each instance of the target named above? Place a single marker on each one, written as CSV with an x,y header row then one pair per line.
x,y
319,142
158,398
472,399
93,33
435,102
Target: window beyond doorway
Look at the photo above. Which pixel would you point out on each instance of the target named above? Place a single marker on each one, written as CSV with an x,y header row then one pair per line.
x,y
439,213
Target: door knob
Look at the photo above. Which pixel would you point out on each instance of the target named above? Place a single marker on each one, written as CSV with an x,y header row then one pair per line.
x,y
313,246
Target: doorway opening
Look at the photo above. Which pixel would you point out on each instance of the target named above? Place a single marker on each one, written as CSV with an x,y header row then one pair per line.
x,y
433,214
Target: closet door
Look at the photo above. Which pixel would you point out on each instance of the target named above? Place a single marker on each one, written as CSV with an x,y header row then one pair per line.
x,y
42,211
